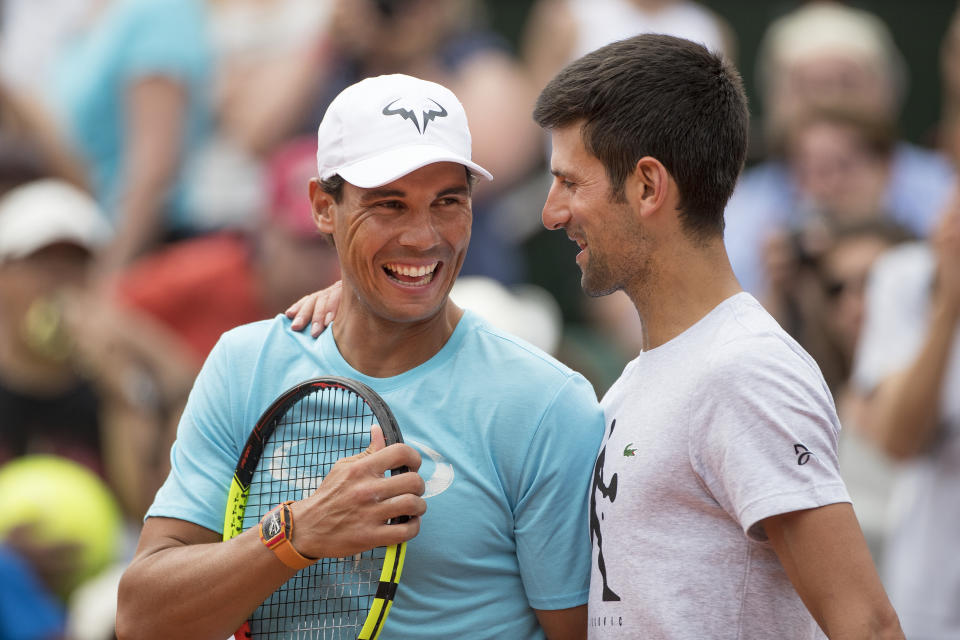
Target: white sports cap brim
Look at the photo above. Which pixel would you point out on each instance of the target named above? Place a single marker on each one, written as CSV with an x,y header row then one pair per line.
x,y
393,164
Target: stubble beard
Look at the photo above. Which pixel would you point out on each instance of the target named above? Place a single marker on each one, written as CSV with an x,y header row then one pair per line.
x,y
597,279
606,273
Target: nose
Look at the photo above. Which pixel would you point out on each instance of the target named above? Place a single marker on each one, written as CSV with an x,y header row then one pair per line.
x,y
555,213
419,230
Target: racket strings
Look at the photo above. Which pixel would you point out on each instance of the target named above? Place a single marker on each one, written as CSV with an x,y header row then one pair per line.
x,y
330,599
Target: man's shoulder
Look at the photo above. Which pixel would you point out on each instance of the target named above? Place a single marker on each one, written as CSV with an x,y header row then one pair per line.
x,y
512,354
513,368
750,346
273,336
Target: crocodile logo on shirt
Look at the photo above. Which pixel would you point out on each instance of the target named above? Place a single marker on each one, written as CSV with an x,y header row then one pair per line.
x,y
629,451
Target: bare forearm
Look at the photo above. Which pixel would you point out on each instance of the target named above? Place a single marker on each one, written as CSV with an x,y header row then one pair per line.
x,y
184,583
905,409
140,226
155,117
564,624
845,628
197,591
825,556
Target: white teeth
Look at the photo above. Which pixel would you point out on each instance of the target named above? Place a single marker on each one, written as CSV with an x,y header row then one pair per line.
x,y
410,271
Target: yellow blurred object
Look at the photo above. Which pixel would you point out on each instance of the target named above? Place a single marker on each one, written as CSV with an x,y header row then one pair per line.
x,y
65,503
43,329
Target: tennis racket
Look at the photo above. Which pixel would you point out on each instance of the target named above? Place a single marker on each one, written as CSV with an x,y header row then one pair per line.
x,y
293,446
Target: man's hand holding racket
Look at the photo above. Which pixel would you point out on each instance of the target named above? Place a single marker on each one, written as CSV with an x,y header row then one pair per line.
x,y
345,516
349,512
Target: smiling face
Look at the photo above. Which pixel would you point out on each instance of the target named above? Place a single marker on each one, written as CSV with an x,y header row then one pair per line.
x,y
400,245
610,237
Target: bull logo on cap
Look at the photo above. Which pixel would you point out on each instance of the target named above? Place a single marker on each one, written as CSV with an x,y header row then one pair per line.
x,y
427,113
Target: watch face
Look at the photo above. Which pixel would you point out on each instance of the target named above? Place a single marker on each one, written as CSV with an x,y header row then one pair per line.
x,y
273,525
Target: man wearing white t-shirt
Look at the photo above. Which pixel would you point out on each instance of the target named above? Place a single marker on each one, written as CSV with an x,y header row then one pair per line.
x,y
717,508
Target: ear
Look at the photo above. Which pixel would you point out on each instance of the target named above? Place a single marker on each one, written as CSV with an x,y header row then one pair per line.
x,y
650,185
323,206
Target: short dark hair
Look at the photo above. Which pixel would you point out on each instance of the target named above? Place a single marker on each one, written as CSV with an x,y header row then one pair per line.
x,y
333,186
660,96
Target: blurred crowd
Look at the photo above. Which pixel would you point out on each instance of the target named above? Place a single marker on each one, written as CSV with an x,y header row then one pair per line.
x,y
154,156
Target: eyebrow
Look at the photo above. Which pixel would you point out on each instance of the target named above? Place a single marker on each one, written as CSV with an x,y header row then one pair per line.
x,y
460,190
376,194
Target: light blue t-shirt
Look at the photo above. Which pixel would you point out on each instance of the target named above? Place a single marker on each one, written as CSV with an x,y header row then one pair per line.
x,y
508,437
132,39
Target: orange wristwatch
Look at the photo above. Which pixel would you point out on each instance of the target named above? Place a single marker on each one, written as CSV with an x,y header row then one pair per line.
x,y
276,532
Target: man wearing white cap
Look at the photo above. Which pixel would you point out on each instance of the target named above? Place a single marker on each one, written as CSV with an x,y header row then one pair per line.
x,y
503,549
68,354
48,232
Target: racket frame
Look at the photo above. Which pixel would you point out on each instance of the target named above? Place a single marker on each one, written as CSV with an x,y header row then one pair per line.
x,y
253,449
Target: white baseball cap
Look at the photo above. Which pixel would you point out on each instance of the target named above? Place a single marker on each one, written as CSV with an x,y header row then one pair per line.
x,y
43,212
382,128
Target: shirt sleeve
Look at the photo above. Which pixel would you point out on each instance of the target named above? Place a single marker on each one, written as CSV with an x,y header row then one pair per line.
x,y
550,517
769,435
204,455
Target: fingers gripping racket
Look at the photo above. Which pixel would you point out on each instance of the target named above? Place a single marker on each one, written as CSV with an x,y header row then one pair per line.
x,y
291,449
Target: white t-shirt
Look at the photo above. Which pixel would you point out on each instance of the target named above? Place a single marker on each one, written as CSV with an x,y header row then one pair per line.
x,y
725,425
922,550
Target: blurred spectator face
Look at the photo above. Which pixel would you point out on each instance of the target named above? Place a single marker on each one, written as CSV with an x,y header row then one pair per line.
x,y
837,80
48,232
28,290
836,171
826,54
47,270
844,271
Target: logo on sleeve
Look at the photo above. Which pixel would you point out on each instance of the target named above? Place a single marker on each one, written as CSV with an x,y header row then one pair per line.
x,y
803,454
